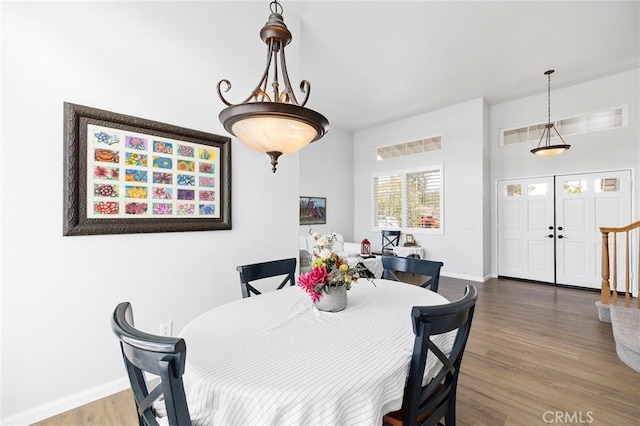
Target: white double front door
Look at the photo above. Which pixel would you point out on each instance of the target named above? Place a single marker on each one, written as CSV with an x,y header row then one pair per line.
x,y
548,227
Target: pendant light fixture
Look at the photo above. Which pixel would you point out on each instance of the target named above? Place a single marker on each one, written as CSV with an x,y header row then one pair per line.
x,y
546,149
276,124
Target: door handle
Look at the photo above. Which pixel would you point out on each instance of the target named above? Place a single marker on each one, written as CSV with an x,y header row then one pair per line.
x,y
561,236
550,235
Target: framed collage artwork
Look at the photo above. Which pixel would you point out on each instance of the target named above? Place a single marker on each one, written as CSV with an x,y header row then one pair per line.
x,y
125,174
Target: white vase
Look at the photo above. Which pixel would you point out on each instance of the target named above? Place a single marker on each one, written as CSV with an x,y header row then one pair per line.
x,y
332,300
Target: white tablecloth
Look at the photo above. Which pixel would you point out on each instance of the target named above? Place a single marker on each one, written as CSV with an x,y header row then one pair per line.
x,y
274,359
408,251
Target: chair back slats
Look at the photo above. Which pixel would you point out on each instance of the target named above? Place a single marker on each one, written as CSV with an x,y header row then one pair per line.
x,y
258,271
437,399
427,268
390,239
159,355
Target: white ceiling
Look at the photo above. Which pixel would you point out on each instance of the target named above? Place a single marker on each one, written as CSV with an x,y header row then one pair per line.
x,y
377,61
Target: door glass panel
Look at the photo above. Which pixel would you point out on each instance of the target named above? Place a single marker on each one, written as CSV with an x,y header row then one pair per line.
x,y
512,190
575,186
537,189
607,185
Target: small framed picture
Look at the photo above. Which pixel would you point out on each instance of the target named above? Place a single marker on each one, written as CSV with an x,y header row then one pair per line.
x,y
313,210
409,239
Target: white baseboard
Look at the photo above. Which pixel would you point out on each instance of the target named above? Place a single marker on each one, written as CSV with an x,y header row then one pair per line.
x,y
466,277
65,404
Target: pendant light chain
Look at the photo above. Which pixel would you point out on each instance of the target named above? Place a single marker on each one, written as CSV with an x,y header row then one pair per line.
x,y
549,98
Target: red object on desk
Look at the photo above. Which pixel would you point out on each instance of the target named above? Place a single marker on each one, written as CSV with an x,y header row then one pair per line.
x,y
365,247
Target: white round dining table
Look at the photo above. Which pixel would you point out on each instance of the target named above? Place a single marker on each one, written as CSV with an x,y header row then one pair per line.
x,y
274,359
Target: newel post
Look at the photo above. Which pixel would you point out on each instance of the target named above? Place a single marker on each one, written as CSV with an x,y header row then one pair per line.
x,y
605,289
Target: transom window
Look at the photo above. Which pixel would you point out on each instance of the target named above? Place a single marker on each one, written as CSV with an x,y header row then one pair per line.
x,y
408,199
606,119
409,148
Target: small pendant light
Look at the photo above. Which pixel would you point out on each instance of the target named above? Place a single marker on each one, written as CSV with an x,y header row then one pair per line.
x,y
546,149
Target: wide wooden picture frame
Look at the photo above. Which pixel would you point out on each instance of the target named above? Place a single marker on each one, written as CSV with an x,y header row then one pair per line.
x,y
313,210
125,174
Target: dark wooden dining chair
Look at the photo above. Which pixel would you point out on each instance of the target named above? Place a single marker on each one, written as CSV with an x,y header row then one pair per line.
x,y
427,268
427,405
159,355
390,239
258,271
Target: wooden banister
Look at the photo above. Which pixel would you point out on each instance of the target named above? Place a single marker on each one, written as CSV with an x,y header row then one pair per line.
x,y
607,288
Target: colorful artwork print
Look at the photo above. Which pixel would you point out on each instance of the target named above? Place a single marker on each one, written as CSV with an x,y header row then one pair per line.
x,y
102,190
107,155
135,159
106,207
206,154
162,208
106,138
160,193
134,142
162,147
164,178
207,209
186,194
135,208
186,166
206,168
186,180
186,209
131,175
207,181
186,151
106,173
162,162
207,195
136,191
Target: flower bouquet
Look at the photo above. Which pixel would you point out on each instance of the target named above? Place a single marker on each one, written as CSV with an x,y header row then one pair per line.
x,y
329,271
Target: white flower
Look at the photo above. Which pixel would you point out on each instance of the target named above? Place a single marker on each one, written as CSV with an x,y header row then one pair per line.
x,y
325,252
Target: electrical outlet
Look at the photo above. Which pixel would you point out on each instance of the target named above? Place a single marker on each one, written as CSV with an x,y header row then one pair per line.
x,y
165,328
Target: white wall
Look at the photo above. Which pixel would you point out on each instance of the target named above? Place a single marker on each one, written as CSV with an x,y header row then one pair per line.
x,y
464,142
159,61
326,170
599,151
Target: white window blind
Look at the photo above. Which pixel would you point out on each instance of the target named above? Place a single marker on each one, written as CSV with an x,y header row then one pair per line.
x,y
423,199
387,195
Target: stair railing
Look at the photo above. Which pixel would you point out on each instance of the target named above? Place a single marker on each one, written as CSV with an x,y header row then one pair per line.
x,y
609,293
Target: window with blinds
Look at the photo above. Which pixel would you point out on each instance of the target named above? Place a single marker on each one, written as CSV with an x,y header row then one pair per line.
x,y
410,199
387,195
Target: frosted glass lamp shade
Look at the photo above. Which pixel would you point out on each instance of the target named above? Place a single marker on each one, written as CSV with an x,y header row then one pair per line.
x,y
274,128
281,134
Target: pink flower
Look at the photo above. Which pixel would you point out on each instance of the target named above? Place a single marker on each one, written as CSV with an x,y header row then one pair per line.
x,y
100,172
309,281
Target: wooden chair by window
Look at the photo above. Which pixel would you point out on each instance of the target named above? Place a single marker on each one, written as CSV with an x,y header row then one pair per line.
x,y
258,271
427,268
427,405
158,355
390,239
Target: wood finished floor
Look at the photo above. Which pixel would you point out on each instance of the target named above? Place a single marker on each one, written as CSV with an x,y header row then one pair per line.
x,y
533,349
